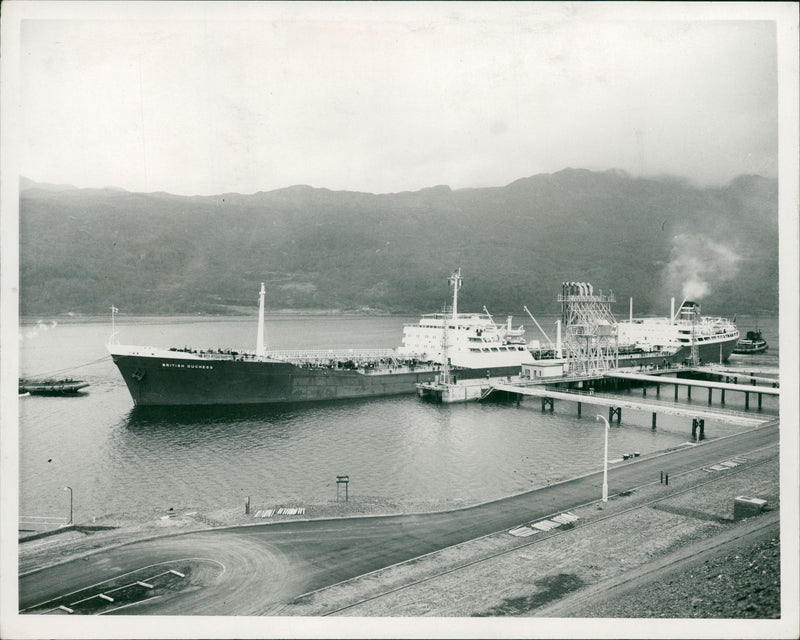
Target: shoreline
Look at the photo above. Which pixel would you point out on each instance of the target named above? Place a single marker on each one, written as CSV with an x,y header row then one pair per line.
x,y
611,546
121,528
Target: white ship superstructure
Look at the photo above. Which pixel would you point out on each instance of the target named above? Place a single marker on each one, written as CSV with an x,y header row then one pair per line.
x,y
474,341
687,329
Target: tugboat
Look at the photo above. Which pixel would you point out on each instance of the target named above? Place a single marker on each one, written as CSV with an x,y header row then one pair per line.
x,y
51,387
752,343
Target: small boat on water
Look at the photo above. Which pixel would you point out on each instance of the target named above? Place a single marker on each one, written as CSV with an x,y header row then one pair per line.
x,y
51,387
752,343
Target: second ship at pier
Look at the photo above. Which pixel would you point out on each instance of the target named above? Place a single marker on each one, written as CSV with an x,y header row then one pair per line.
x,y
591,342
448,348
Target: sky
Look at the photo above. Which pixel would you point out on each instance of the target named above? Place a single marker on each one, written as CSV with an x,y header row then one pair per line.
x,y
201,98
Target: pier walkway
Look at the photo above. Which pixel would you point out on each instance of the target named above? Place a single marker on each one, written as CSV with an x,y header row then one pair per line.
x,y
729,386
767,374
741,369
617,402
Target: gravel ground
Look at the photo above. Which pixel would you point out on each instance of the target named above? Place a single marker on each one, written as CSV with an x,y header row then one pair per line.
x,y
741,583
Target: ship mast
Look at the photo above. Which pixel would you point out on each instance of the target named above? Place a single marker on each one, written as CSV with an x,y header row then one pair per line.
x,y
112,339
260,337
455,280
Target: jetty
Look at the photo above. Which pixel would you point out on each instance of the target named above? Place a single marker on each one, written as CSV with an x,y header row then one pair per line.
x,y
689,383
616,403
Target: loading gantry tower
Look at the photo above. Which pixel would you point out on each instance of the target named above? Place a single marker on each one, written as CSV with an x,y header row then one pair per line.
x,y
590,329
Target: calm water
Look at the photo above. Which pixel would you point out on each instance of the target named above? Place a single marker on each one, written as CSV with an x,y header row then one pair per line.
x,y
117,458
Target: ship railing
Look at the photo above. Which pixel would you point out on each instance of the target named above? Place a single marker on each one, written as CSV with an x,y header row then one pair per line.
x,y
331,354
349,358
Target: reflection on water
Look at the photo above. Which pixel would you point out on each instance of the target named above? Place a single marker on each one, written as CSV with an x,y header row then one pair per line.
x,y
167,417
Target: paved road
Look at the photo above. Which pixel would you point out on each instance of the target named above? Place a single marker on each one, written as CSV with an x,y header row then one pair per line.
x,y
254,570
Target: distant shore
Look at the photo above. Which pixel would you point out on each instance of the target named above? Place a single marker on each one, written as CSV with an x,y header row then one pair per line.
x,y
232,314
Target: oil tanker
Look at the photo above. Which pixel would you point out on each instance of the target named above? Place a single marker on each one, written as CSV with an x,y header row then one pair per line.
x,y
595,340
476,348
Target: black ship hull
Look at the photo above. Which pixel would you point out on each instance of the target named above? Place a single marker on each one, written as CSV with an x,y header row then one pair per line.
x,y
709,353
160,381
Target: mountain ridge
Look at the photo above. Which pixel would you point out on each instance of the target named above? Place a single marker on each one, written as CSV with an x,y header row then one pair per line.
x,y
83,249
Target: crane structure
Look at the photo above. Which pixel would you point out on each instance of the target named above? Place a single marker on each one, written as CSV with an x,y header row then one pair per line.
x,y
590,329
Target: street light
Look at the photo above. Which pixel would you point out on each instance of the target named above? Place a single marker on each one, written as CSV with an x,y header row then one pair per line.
x,y
70,504
605,462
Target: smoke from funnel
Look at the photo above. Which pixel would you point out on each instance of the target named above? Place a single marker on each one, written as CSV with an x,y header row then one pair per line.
x,y
697,264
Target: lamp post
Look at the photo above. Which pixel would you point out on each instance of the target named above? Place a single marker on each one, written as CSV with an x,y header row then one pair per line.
x,y
70,504
605,461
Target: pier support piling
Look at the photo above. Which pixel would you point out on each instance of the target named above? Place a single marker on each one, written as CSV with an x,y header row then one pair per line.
x,y
709,395
654,420
615,411
676,393
759,401
688,392
579,409
722,396
547,402
658,391
746,400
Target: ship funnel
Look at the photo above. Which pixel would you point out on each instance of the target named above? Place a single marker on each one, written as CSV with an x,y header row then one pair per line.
x,y
260,336
630,311
672,309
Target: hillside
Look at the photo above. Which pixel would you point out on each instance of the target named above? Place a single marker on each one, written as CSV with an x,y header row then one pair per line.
x,y
83,249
